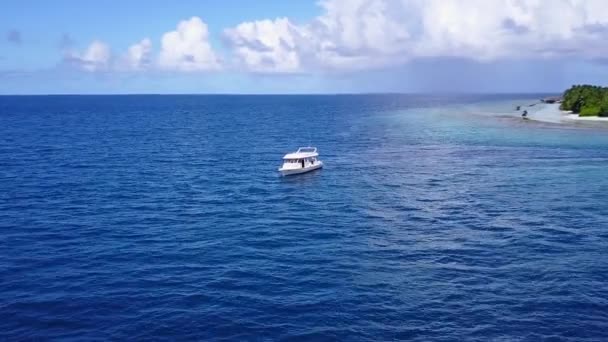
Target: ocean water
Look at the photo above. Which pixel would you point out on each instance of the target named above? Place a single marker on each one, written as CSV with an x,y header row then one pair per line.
x,y
436,218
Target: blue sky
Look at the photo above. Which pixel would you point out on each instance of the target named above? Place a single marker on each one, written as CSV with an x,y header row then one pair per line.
x,y
332,46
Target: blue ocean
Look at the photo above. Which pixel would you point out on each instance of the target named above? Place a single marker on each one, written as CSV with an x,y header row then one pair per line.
x,y
435,218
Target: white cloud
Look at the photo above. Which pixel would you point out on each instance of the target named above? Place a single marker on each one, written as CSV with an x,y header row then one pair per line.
x,y
97,57
185,49
362,34
359,34
188,48
266,45
139,55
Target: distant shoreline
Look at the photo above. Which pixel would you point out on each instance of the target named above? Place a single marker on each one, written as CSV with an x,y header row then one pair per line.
x,y
551,112
506,94
576,117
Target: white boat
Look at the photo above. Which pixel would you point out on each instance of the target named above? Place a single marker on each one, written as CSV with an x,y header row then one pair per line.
x,y
303,160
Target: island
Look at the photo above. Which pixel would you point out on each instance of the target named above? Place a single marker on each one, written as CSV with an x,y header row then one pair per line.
x,y
586,101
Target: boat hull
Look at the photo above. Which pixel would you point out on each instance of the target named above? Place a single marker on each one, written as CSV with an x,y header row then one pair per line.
x,y
290,172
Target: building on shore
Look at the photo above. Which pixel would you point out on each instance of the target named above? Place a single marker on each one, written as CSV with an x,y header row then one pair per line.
x,y
552,99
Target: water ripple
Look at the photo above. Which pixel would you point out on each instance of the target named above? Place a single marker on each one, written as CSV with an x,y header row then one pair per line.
x,y
162,217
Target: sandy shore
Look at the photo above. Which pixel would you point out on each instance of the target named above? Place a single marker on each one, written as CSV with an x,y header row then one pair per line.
x,y
546,113
585,118
552,113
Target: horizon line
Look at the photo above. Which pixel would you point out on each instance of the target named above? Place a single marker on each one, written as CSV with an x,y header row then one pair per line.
x,y
289,94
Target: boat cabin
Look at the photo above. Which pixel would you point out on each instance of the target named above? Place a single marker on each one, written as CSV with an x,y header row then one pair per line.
x,y
301,162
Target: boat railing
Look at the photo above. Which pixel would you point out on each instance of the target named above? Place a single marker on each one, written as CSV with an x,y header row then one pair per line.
x,y
307,150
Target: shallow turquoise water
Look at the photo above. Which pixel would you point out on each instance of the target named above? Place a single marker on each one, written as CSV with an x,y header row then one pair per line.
x,y
435,218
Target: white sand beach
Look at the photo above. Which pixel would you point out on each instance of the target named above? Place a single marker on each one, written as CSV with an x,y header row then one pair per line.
x,y
546,113
551,113
569,116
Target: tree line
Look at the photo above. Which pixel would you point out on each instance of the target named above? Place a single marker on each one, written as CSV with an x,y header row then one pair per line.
x,y
586,100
